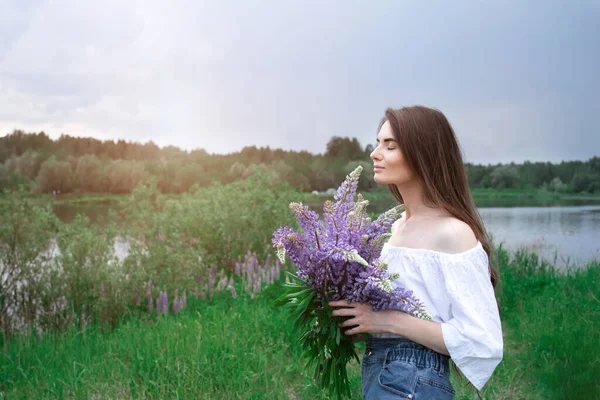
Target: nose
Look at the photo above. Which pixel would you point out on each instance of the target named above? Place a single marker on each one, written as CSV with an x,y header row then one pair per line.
x,y
374,154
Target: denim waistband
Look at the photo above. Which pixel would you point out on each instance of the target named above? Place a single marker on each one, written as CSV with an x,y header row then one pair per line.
x,y
402,349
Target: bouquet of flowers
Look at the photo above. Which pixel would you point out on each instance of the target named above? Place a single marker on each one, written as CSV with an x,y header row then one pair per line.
x,y
337,258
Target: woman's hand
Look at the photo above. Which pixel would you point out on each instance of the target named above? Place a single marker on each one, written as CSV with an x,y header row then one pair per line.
x,y
361,317
364,320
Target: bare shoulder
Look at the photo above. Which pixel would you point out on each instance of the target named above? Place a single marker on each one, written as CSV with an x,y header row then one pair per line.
x,y
398,222
455,236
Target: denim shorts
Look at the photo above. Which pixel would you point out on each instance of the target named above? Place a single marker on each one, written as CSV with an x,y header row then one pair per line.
x,y
402,369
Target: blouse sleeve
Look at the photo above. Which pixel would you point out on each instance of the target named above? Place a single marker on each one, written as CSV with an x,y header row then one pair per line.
x,y
473,333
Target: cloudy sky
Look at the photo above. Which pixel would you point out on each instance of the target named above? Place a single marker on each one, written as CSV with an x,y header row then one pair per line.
x,y
518,80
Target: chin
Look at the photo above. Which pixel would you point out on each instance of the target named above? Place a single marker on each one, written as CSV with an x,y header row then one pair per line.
x,y
379,180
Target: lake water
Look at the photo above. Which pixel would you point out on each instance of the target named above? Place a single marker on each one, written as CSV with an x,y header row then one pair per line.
x,y
571,235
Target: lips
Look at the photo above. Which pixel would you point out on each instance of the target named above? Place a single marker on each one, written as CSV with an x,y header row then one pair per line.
x,y
377,167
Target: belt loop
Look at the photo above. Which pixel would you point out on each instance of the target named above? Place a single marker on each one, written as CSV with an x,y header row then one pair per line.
x,y
385,355
443,364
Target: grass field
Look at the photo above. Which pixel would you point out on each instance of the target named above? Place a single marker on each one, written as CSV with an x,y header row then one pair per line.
x,y
243,349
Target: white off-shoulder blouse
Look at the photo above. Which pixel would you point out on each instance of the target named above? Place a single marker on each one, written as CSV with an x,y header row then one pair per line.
x,y
457,293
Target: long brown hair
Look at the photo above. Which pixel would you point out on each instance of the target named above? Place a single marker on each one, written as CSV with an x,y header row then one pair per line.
x,y
432,152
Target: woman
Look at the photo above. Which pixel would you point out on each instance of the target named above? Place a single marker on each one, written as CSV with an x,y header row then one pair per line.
x,y
440,249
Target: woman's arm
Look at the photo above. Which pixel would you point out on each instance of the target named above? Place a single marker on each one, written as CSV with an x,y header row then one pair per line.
x,y
365,320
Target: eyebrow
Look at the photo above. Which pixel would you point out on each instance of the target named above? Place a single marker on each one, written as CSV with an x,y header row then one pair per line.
x,y
386,140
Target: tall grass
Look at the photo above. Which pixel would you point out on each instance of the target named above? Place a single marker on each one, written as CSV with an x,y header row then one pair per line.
x,y
224,349
243,349
552,322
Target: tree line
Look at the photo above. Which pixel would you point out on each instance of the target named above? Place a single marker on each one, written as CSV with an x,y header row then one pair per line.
x,y
87,165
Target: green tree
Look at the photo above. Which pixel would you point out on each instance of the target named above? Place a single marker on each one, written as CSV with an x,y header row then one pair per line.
x,y
55,175
123,176
9,180
261,169
584,183
296,179
89,173
236,171
556,185
28,164
505,176
321,175
477,173
594,165
187,175
345,149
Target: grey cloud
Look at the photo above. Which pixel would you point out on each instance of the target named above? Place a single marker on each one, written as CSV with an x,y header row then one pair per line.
x,y
517,80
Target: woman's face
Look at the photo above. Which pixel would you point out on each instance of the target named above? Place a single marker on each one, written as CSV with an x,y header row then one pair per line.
x,y
393,168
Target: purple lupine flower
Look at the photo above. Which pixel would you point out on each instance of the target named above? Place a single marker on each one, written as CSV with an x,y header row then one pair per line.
x,y
257,285
265,276
249,264
211,285
149,295
232,288
254,261
339,257
165,303
249,282
221,284
237,269
196,292
277,269
138,300
176,304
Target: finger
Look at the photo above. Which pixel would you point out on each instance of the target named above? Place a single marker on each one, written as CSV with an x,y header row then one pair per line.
x,y
340,303
349,322
343,312
343,303
353,331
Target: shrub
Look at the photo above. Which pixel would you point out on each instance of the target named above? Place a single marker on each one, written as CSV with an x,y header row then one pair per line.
x,y
26,233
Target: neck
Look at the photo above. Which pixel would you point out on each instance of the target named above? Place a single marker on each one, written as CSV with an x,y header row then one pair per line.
x,y
414,201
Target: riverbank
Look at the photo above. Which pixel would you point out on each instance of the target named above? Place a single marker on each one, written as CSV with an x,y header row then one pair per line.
x,y
482,197
241,348
97,205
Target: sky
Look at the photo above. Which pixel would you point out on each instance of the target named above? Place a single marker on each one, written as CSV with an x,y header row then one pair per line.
x,y
517,80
